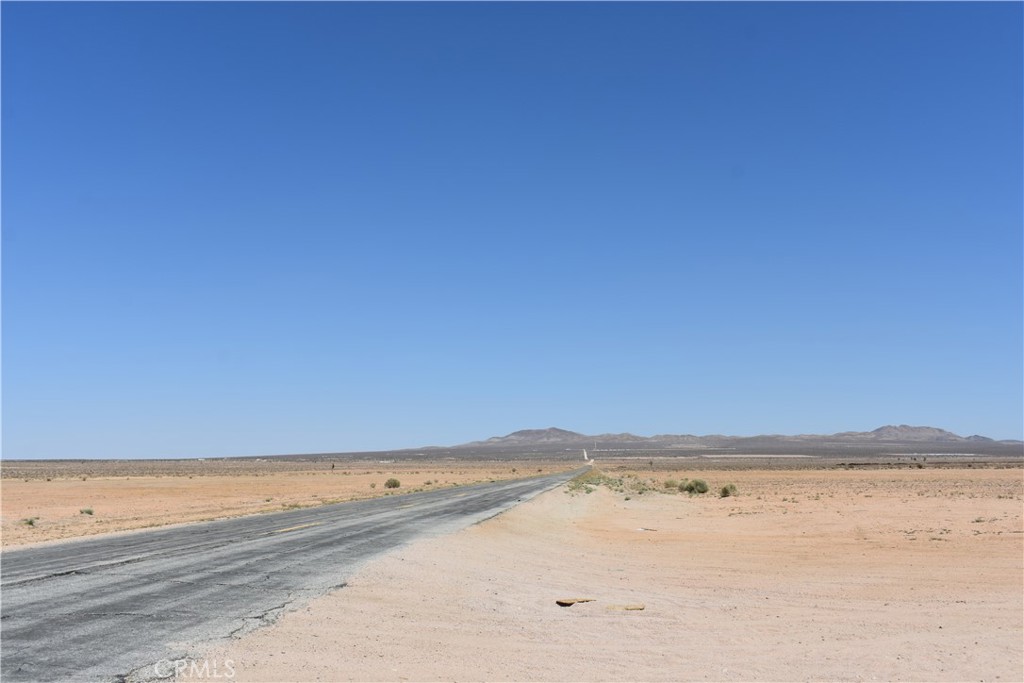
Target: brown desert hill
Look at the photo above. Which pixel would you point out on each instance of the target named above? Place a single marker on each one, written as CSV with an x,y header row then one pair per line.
x,y
906,433
564,444
555,436
532,436
888,439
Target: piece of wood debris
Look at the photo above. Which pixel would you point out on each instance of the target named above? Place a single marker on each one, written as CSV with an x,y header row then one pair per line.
x,y
567,602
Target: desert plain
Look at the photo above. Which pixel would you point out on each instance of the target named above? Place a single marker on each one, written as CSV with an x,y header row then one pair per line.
x,y
53,500
904,572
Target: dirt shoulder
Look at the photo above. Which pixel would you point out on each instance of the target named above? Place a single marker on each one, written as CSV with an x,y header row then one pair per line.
x,y
837,575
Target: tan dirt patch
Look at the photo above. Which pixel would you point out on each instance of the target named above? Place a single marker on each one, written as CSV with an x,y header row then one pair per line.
x,y
827,575
58,496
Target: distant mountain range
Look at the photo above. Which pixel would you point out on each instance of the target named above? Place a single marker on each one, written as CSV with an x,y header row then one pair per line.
x,y
900,437
553,443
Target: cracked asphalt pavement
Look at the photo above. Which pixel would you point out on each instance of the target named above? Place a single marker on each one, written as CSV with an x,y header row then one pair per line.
x,y
109,608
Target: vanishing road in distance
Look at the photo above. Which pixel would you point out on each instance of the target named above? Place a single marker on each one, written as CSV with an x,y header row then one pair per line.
x,y
110,608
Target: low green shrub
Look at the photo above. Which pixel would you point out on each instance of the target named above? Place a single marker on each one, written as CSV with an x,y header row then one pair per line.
x,y
694,486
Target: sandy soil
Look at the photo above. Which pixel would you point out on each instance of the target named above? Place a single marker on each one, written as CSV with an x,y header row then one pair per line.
x,y
810,575
67,499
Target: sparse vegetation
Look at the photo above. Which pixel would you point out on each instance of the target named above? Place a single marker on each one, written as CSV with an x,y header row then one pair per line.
x,y
85,511
29,521
634,485
694,486
392,483
588,479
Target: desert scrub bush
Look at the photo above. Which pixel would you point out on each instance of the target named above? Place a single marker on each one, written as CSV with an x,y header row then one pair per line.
x,y
588,481
29,521
627,484
694,486
392,483
671,484
727,490
85,511
582,481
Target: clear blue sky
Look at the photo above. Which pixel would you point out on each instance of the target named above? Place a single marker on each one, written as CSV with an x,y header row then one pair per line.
x,y
234,228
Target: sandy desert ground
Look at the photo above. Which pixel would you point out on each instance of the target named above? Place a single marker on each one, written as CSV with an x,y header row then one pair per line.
x,y
66,499
901,574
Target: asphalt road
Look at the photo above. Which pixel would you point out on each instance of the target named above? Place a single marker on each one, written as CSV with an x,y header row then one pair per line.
x,y
110,608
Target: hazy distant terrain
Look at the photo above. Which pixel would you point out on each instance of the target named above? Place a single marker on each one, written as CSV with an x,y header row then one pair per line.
x,y
891,443
890,440
903,435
